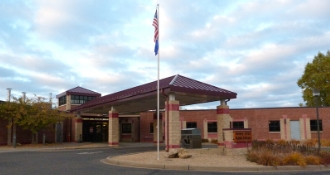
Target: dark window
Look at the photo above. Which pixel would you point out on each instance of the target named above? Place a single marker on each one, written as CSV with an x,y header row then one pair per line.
x,y
313,124
212,127
62,100
151,128
191,125
126,128
238,124
79,99
274,126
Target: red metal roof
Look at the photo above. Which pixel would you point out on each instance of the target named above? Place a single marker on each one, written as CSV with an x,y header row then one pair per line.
x,y
79,91
176,83
187,85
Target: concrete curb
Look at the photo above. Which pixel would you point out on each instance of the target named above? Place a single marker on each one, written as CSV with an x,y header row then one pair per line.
x,y
112,161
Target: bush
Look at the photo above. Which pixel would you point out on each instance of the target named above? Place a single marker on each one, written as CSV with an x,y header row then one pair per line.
x,y
294,158
263,157
214,141
325,158
282,142
325,142
312,160
252,156
310,142
205,140
269,159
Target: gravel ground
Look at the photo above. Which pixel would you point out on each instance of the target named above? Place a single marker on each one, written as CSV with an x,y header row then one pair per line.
x,y
200,157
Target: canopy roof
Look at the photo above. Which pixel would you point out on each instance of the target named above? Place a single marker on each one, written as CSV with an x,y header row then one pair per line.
x,y
144,97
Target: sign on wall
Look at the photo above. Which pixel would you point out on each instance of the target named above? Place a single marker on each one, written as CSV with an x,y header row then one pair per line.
x,y
242,136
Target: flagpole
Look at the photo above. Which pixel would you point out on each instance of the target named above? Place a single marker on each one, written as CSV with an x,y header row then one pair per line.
x,y
158,87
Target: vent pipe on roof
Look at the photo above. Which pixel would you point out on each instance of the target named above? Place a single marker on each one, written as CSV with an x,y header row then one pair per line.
x,y
9,94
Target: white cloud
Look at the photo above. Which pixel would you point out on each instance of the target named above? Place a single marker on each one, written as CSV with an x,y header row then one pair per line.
x,y
256,48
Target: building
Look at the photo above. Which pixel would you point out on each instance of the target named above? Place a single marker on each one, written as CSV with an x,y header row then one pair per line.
x,y
130,116
136,122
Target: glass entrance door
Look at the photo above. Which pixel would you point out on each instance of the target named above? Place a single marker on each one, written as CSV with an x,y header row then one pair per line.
x,y
95,131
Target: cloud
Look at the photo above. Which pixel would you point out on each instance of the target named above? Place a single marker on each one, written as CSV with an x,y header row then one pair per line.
x,y
256,48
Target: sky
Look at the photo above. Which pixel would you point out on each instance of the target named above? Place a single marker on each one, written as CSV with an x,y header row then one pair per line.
x,y
258,49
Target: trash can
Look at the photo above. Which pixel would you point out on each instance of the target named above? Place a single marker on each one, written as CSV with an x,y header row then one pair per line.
x,y
191,138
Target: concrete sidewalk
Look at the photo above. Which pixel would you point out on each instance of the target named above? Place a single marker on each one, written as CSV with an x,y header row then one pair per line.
x,y
127,161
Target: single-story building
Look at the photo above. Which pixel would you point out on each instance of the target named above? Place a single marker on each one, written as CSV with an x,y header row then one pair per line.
x,y
130,116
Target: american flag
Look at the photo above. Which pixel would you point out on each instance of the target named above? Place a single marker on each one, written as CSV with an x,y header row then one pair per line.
x,y
155,24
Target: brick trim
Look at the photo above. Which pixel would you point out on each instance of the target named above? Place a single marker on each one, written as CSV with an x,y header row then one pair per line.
x,y
173,107
222,110
113,115
174,146
221,144
113,143
160,141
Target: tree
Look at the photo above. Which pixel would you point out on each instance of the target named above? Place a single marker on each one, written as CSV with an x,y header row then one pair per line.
x,y
14,112
41,115
316,75
31,114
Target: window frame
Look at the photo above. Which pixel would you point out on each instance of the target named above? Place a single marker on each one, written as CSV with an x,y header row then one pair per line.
x,y
62,101
313,125
126,130
191,123
80,99
239,124
272,127
212,127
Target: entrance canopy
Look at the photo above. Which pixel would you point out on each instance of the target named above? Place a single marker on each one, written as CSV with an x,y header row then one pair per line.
x,y
144,97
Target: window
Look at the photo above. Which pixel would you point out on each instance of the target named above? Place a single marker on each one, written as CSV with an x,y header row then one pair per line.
x,y
274,126
313,124
151,128
238,125
79,99
62,101
126,128
212,127
191,125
